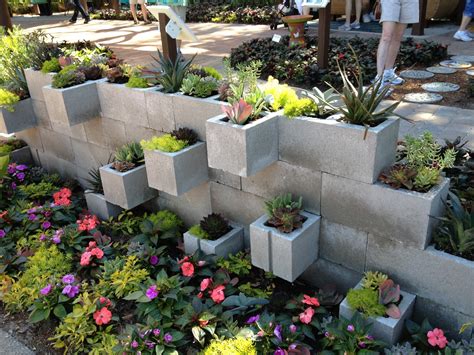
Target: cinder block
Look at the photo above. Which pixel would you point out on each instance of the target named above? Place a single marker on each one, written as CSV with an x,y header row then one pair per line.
x,y
36,80
98,205
193,112
53,164
73,105
287,255
343,245
160,110
122,103
105,132
338,148
230,243
128,189
137,133
432,274
89,156
57,144
20,119
41,113
32,137
179,172
242,150
400,214
281,178
77,132
222,177
387,329
22,156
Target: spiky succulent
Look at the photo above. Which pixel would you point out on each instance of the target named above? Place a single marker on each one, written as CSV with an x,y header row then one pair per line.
x,y
170,74
373,279
215,226
284,213
128,156
185,134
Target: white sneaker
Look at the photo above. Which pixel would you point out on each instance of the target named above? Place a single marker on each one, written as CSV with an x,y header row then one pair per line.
x,y
470,34
355,25
372,16
390,76
366,18
462,36
345,27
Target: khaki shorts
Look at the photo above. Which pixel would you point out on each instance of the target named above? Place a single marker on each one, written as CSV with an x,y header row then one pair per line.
x,y
134,2
401,11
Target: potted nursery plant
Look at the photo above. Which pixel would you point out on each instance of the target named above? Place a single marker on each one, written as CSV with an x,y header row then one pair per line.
x,y
95,199
175,163
18,151
382,303
356,142
16,111
214,235
285,241
125,181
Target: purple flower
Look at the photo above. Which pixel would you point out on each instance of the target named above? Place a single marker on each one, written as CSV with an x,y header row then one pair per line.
x,y
361,344
21,167
150,344
327,334
46,225
279,351
11,169
152,292
46,290
253,319
277,332
293,328
168,338
68,279
42,237
20,176
56,239
2,233
156,332
350,328
154,260
31,210
134,344
369,337
13,186
292,346
70,291
32,217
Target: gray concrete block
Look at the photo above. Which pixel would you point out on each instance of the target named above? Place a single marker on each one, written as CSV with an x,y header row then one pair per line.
x,y
89,156
73,105
193,112
230,243
77,132
98,205
32,137
387,329
281,178
57,144
343,245
22,156
36,80
238,206
242,150
53,164
113,131
179,172
338,148
122,103
20,119
290,254
41,113
432,274
137,133
128,189
160,110
401,215
222,177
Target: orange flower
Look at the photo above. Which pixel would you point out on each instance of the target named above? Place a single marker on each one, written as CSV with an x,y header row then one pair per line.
x,y
103,316
311,301
188,269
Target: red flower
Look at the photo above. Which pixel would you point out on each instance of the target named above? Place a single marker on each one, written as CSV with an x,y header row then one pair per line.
x,y
206,283
311,301
307,315
341,56
105,300
61,198
186,258
98,253
200,295
188,269
103,316
217,294
88,223
436,338
86,258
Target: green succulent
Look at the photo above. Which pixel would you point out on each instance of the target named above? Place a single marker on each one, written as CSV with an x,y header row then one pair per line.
x,y
366,301
8,100
373,279
165,143
215,226
300,107
51,66
171,74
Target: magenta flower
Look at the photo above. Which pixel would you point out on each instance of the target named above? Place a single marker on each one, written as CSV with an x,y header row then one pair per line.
x,y
361,344
68,279
46,225
152,292
21,167
13,186
327,334
168,338
154,260
350,328
70,291
149,344
2,233
369,337
11,169
46,290
20,176
42,237
253,319
156,332
32,217
134,344
293,328
279,351
277,332
56,239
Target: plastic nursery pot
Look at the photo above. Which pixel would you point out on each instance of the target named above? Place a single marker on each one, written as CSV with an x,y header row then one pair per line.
x,y
296,25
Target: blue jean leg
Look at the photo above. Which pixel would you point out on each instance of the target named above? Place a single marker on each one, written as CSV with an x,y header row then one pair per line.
x,y
469,9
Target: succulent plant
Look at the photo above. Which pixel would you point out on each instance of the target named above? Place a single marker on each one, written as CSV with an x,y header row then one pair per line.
x,y
123,166
373,279
215,226
170,75
185,134
389,296
224,91
65,61
325,101
128,156
116,75
284,213
68,78
91,72
399,175
239,112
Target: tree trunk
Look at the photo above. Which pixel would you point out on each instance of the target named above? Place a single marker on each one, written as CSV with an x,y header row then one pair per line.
x,y
5,20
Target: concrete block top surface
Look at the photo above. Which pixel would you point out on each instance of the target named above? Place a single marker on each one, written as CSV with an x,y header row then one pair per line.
x,y
108,169
221,120
429,195
87,83
184,150
310,219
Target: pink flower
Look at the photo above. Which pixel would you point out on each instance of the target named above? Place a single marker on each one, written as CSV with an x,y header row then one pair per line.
x,y
103,316
86,258
46,290
310,301
307,315
436,338
152,292
205,284
98,253
188,269
217,294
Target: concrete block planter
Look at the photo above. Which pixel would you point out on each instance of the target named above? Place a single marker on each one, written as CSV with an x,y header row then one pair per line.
x,y
179,172
22,156
159,106
122,103
338,148
401,215
36,80
242,150
285,255
230,243
128,189
73,105
98,205
22,118
387,329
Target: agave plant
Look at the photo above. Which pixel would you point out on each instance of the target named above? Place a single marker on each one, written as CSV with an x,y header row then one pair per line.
x,y
170,74
239,112
324,100
128,156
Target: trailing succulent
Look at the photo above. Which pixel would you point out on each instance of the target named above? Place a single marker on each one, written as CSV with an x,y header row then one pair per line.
x,y
128,157
284,213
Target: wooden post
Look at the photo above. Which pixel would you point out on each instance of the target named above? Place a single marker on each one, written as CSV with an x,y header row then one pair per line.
x,y
170,50
418,29
116,4
5,20
457,16
324,30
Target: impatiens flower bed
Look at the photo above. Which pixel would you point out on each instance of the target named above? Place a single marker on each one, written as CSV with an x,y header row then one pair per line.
x,y
125,285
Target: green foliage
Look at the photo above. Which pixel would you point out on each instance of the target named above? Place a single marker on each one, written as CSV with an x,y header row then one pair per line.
x,y
165,143
300,107
210,71
125,224
237,346
185,134
51,66
137,82
215,226
238,264
197,231
45,264
67,77
366,301
195,85
251,290
94,180
324,100
284,213
424,151
8,100
170,75
128,156
38,190
281,94
373,279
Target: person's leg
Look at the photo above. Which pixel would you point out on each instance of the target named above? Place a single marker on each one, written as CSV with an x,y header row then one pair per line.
x,y
80,9
144,12
465,21
347,25
75,13
394,45
358,4
133,10
388,29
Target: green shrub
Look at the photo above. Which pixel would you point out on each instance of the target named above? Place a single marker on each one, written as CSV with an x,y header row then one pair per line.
x,y
197,231
167,220
137,82
8,100
282,94
300,107
38,190
237,346
166,143
366,301
51,66
238,264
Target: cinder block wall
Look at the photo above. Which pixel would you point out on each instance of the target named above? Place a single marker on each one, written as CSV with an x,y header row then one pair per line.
x,y
444,284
